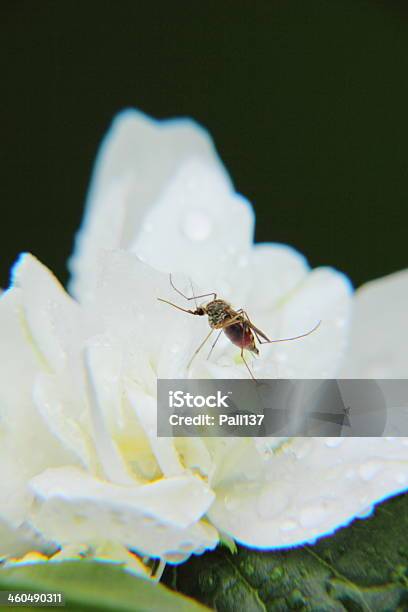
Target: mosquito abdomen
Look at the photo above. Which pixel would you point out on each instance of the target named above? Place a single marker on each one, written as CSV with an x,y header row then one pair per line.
x,y
241,336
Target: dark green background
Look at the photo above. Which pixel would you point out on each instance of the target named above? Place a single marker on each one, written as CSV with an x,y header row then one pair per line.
x,y
306,100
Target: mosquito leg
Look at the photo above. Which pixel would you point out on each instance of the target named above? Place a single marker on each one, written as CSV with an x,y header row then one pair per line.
x,y
247,366
248,326
292,338
257,336
263,339
214,343
244,329
260,336
194,296
199,349
236,319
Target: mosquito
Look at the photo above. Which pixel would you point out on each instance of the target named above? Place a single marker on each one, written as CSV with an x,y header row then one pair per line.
x,y
235,324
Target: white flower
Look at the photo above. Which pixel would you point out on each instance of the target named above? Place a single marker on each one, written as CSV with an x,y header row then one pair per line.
x,y
81,462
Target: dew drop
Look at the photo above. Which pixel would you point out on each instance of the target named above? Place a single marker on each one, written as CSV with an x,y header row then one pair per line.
x,y
271,501
197,225
333,442
369,469
313,515
231,502
288,525
302,448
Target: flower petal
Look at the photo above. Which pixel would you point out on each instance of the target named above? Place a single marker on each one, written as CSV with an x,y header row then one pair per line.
x,y
137,158
17,542
311,487
276,269
53,317
26,446
157,519
323,295
379,337
199,227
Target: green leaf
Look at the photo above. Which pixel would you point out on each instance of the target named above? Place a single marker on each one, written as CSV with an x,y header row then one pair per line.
x,y
361,568
91,585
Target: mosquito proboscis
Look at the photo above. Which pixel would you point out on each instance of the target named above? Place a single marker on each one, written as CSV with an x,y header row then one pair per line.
x,y
236,324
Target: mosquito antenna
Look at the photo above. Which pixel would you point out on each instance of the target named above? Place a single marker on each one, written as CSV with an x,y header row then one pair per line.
x,y
194,296
175,306
192,292
294,337
175,288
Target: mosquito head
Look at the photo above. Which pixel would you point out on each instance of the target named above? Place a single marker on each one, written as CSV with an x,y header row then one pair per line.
x,y
200,311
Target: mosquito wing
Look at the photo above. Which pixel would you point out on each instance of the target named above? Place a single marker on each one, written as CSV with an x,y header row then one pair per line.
x,y
258,331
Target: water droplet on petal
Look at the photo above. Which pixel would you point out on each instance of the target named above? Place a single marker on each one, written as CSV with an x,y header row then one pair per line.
x,y
313,515
272,501
231,502
288,525
369,469
302,448
197,225
333,442
401,478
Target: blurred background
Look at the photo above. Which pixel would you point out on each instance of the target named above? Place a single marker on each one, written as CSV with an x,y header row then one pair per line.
x,y
307,103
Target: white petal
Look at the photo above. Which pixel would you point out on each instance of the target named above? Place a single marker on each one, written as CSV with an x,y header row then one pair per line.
x,y
137,158
156,339
157,519
125,301
164,450
18,359
198,227
324,295
58,413
276,270
17,542
311,486
26,446
379,338
52,316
